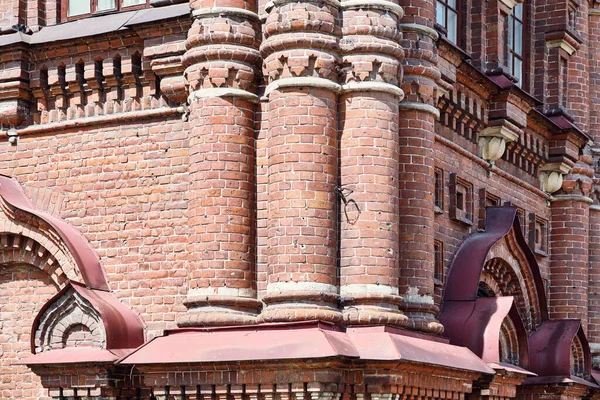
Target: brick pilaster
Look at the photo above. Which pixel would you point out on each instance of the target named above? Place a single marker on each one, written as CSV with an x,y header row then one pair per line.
x,y
593,333
369,151
569,239
593,45
300,58
221,57
418,113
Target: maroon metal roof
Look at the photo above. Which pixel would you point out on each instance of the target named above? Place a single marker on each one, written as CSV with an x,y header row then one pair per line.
x,y
476,324
306,340
386,343
123,328
87,260
466,266
245,343
71,355
510,368
548,380
550,348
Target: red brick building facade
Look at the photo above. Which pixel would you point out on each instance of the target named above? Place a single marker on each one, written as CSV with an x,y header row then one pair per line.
x,y
307,199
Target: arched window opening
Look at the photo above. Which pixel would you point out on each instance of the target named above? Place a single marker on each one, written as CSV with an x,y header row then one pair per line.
x,y
509,343
577,358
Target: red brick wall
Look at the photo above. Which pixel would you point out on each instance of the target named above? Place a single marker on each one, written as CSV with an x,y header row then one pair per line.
x,y
23,291
126,189
246,196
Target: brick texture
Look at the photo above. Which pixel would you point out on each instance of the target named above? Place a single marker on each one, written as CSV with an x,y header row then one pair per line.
x,y
290,161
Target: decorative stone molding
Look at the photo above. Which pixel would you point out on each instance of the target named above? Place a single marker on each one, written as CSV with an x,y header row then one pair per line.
x,y
223,92
409,105
563,40
374,4
322,83
561,44
569,197
382,87
492,142
551,176
218,11
510,3
422,29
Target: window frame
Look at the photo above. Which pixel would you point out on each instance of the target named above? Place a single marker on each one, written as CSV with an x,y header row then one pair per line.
x,y
513,21
444,24
65,17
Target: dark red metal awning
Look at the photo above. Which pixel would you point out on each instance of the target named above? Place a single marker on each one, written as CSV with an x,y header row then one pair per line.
x,y
245,343
306,340
74,355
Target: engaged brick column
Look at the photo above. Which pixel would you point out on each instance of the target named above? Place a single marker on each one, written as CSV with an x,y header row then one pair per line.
x,y
222,52
300,52
369,151
418,113
593,333
570,214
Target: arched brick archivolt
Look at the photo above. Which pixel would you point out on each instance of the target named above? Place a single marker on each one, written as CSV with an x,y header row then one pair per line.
x,y
509,267
19,249
508,282
510,348
70,312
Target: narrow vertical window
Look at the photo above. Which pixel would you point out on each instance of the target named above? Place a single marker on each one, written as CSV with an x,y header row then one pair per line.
x,y
515,43
447,17
564,65
439,261
439,191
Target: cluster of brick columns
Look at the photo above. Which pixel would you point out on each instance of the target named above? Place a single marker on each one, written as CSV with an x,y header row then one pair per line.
x,y
349,233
